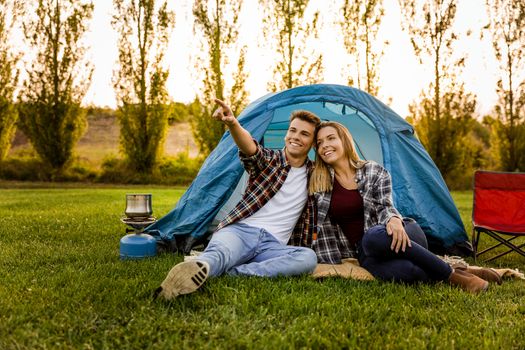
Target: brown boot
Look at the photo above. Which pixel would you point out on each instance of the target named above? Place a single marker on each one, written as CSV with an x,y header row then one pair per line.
x,y
487,274
467,281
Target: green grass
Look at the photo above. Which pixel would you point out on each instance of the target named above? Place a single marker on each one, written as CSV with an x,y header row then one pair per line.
x,y
62,285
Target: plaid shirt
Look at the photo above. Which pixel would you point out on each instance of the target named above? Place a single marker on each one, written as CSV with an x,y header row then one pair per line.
x,y
268,170
375,186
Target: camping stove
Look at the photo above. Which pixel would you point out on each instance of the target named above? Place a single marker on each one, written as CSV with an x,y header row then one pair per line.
x,y
137,245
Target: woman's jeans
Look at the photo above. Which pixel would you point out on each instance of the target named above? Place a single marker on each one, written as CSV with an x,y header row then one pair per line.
x,y
240,249
415,264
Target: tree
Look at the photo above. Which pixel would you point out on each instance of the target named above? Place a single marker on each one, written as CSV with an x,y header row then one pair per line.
x,y
507,26
218,27
10,11
144,29
287,31
57,79
456,110
430,26
359,24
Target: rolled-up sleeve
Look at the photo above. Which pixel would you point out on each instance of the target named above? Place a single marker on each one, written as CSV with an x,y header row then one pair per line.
x,y
255,163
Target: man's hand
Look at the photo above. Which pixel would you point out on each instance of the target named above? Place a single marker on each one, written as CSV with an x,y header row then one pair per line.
x,y
224,113
242,138
400,239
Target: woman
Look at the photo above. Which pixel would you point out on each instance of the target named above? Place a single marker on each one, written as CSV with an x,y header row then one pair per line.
x,y
357,218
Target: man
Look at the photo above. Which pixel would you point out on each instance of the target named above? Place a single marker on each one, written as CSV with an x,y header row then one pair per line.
x,y
275,209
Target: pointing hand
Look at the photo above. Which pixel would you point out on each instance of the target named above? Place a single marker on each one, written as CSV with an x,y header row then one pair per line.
x,y
223,113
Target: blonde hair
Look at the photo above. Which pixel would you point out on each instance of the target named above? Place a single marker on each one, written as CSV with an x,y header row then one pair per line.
x,y
321,180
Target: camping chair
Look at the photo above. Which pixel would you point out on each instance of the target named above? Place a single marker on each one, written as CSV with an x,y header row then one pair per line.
x,y
499,210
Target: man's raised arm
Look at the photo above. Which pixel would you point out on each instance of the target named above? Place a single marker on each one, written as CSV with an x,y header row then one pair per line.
x,y
241,136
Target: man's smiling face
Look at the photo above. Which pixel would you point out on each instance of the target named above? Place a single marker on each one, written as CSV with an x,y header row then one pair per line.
x,y
299,138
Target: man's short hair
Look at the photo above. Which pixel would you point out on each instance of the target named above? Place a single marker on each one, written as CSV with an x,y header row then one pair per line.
x,y
307,116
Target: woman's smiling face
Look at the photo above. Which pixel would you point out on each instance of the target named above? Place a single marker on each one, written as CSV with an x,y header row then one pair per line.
x,y
329,145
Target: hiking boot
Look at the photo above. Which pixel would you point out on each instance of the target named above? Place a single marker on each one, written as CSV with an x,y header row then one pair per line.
x,y
485,273
184,278
467,281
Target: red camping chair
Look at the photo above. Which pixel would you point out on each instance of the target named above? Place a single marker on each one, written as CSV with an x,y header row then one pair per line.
x,y
499,210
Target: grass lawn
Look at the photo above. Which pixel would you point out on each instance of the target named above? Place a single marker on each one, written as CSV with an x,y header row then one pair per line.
x,y
62,285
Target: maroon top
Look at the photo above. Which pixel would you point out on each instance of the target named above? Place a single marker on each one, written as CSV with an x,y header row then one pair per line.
x,y
346,210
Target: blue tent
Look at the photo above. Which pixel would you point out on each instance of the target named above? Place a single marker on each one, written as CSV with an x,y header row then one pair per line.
x,y
379,134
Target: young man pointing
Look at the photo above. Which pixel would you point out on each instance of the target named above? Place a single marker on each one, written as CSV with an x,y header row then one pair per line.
x,y
275,210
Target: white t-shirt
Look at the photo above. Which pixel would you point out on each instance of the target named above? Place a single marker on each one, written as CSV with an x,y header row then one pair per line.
x,y
280,214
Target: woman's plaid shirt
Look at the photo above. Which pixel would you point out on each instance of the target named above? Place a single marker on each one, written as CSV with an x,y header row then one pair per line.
x,y
268,170
375,186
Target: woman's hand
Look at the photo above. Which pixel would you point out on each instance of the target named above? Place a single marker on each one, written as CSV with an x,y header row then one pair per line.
x,y
400,239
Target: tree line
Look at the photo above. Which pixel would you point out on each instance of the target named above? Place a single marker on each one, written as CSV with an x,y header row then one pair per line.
x,y
47,105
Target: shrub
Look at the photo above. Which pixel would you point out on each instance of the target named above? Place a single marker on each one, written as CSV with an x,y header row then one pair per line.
x,y
116,170
178,170
77,172
26,166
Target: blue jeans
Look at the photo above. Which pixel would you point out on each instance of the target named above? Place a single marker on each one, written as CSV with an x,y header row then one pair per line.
x,y
240,249
415,264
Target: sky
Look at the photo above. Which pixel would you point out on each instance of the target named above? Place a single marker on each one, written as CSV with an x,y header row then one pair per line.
x,y
402,77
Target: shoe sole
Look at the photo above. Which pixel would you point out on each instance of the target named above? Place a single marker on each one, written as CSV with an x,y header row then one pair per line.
x,y
183,278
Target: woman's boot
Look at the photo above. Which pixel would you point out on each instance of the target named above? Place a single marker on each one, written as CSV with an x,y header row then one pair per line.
x,y
467,281
487,274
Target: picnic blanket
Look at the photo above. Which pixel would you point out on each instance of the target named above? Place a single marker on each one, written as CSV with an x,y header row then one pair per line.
x,y
349,268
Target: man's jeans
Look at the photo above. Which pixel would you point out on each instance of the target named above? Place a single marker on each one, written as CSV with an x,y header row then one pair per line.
x,y
239,249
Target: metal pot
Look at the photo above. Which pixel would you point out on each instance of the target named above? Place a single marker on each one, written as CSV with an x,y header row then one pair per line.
x,y
138,205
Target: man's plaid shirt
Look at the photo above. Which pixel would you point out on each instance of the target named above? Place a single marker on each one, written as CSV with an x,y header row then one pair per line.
x,y
375,186
268,170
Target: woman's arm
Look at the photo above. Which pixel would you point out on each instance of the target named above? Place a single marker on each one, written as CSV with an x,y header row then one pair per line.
x,y
387,213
